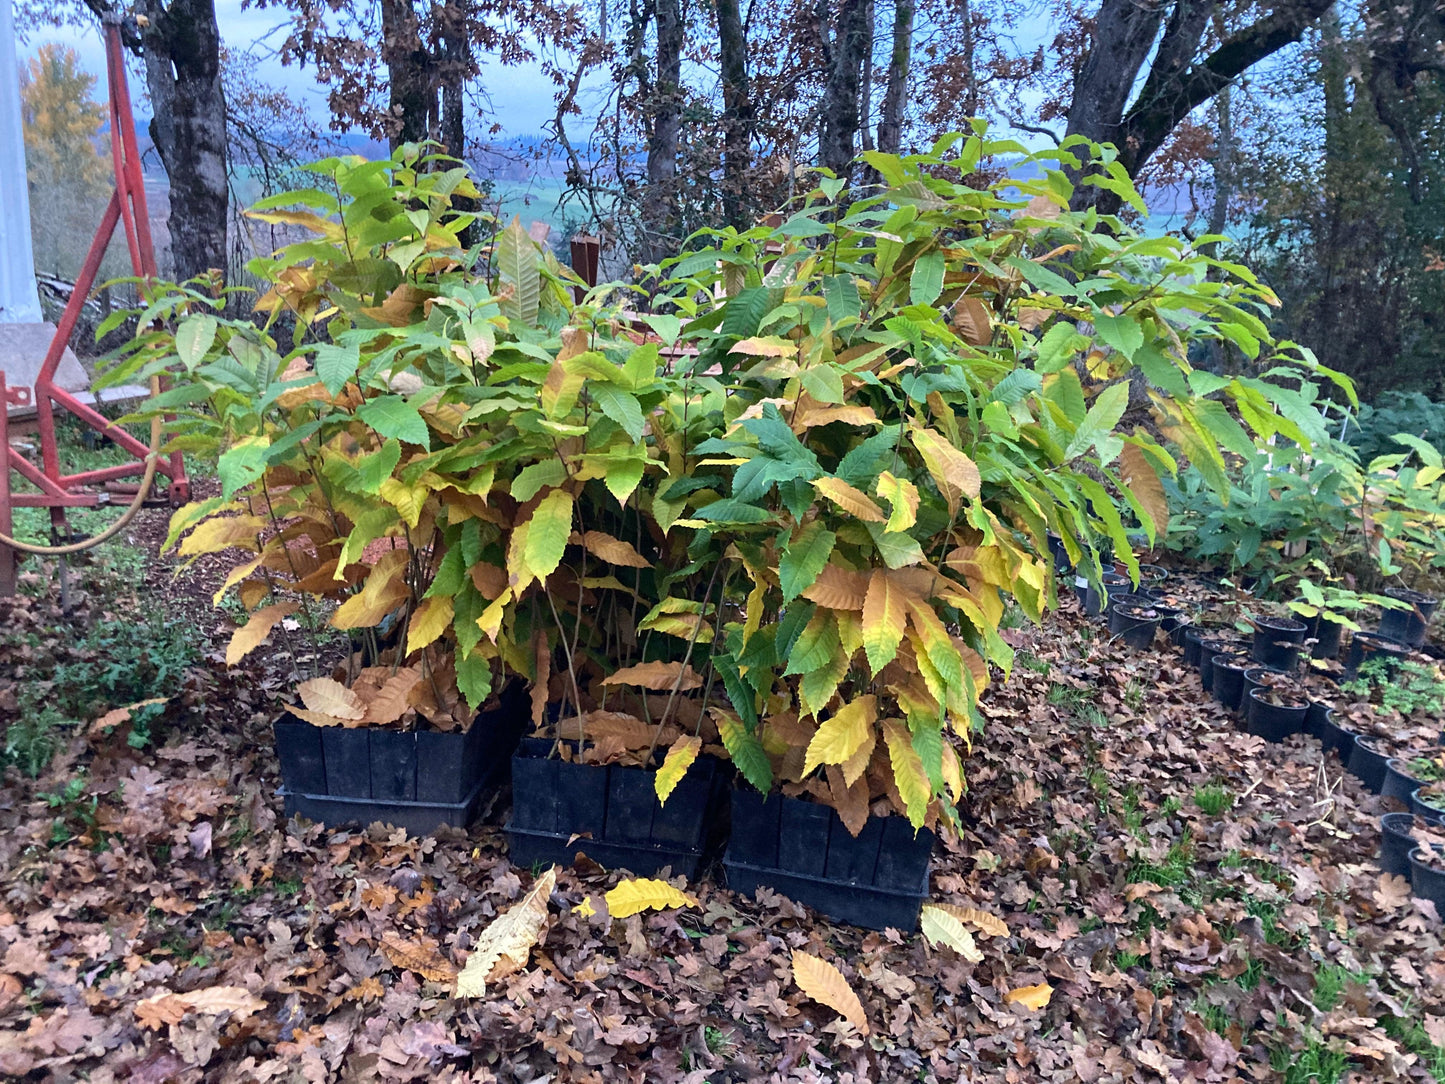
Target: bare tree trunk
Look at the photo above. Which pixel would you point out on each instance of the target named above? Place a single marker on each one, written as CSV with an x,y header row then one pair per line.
x,y
839,114
737,110
659,205
890,123
409,73
182,52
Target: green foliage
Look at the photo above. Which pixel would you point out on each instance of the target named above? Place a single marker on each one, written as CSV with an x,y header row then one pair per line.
x,y
1331,981
32,738
1213,800
1373,431
122,663
1315,1064
1406,687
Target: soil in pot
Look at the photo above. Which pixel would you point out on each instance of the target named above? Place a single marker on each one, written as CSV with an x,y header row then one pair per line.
x,y
1275,715
1228,687
1409,626
803,850
1258,677
1397,840
1427,876
1134,624
1369,645
611,813
1368,764
1277,642
417,779
1152,576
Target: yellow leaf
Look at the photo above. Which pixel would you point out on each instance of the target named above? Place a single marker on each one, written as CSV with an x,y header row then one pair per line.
x,y
249,636
854,767
1143,481
908,774
885,615
221,533
1030,997
491,620
825,984
956,475
765,346
613,550
843,734
986,924
585,908
235,576
902,497
853,501
393,699
678,760
658,676
643,894
382,592
943,928
432,618
506,945
329,697
407,500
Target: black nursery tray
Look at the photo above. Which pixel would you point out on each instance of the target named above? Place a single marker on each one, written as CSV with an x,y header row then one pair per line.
x,y
803,850
416,780
610,813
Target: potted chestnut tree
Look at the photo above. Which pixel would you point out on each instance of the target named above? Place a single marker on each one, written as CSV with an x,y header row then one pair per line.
x,y
916,393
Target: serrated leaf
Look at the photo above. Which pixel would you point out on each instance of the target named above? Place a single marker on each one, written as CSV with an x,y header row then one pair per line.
x,y
547,533
432,618
657,676
987,924
925,282
973,321
506,945
825,984
908,774
374,469
1122,332
885,616
955,474
418,956
518,264
622,407
407,500
803,558
902,498
613,550
250,635
1143,481
943,928
327,696
532,479
645,894
675,765
194,337
842,734
853,501
744,749
335,365
838,588
393,416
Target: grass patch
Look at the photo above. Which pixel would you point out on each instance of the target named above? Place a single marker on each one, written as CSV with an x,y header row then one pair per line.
x,y
1331,981
1176,869
1315,1064
1213,800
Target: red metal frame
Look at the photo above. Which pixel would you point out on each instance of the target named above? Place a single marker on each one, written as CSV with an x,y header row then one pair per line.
x,y
127,208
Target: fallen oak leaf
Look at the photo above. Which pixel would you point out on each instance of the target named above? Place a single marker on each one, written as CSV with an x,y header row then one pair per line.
x,y
825,984
169,1008
941,927
506,945
116,716
1030,997
644,894
417,956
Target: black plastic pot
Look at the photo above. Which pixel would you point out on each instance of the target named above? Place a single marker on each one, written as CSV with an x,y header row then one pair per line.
x,y
1207,650
1228,684
803,850
1398,783
1097,598
610,813
1273,722
1252,681
1368,645
1315,719
1277,642
1134,624
1396,843
1336,738
1152,576
1325,634
1408,626
1419,808
1062,564
417,780
1177,631
1193,637
1367,764
1427,882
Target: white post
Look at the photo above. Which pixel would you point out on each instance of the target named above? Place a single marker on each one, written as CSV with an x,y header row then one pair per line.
x,y
19,303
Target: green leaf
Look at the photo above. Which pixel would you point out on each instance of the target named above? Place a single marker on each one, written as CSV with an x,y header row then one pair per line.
x,y
242,464
622,408
474,678
194,338
817,646
1122,332
926,281
518,265
746,752
547,533
1099,423
728,510
530,480
841,294
335,365
393,416
373,469
803,558
667,328
1160,371
824,383
1058,347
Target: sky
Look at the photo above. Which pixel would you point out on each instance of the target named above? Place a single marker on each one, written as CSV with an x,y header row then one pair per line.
x,y
522,97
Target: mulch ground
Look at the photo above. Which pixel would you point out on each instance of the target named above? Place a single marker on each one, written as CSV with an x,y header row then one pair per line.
x,y
1179,945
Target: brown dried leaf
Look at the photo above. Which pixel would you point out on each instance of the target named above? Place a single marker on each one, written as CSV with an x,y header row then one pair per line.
x,y
419,956
661,676
250,635
326,696
985,923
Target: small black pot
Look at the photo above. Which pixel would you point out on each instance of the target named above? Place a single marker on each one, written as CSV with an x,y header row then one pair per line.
x,y
1419,808
1335,738
1277,642
1194,637
1181,626
1367,645
1252,682
1273,722
1367,764
1062,564
1315,719
1325,634
1097,598
1152,575
1399,783
1396,843
1408,626
1427,882
1134,624
1207,650
1228,683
